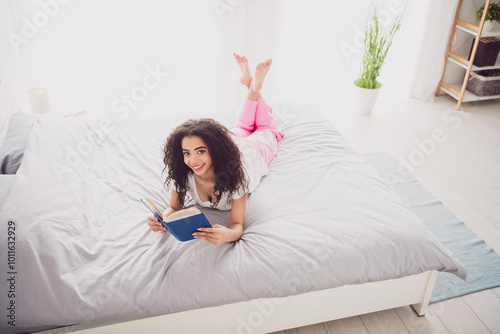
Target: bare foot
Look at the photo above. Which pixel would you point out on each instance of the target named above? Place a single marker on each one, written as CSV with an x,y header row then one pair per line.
x,y
246,78
260,74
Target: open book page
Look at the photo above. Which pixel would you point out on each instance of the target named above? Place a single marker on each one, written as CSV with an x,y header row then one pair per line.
x,y
182,213
160,211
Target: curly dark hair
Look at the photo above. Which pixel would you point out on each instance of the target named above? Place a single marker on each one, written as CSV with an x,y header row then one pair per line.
x,y
226,158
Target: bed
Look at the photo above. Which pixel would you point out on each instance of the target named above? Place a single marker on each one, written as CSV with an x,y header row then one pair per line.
x,y
324,236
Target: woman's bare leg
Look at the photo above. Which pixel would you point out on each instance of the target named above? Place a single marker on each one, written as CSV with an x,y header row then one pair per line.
x,y
246,77
256,84
247,120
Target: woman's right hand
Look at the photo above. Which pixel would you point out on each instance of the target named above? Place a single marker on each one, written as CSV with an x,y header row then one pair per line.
x,y
155,225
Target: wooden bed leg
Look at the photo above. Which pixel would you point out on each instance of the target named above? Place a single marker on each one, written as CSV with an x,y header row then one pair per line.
x,y
421,308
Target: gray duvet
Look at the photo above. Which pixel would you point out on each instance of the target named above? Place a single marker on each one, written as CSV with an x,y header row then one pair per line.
x,y
83,252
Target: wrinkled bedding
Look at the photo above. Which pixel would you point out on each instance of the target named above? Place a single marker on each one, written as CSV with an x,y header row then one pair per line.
x,y
321,218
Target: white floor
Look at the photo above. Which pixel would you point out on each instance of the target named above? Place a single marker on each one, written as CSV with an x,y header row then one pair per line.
x,y
456,156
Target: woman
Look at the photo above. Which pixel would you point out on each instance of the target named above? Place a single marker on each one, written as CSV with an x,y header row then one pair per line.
x,y
218,168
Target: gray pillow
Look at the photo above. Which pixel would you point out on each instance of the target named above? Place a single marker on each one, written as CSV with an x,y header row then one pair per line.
x,y
12,150
5,185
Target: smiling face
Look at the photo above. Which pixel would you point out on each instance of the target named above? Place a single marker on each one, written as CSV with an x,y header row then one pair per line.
x,y
196,155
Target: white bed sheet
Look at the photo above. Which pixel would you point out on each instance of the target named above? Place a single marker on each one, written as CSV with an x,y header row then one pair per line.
x,y
322,218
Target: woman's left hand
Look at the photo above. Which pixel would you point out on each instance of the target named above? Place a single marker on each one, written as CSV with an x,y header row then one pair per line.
x,y
217,234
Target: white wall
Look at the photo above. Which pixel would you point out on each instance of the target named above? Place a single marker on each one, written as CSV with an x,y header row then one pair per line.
x,y
12,73
89,52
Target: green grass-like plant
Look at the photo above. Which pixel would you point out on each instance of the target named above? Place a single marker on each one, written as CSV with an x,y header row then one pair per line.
x,y
376,45
493,12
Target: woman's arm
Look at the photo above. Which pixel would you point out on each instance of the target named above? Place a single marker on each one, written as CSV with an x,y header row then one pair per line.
x,y
238,208
157,226
218,234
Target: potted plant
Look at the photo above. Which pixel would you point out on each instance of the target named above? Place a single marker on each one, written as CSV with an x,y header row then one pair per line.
x,y
492,16
376,45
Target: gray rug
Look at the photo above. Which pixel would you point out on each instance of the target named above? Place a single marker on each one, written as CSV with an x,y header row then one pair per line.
x,y
481,261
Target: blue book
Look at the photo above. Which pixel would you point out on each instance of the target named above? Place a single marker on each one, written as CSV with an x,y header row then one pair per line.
x,y
183,223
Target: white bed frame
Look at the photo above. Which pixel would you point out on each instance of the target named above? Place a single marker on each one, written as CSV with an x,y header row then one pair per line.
x,y
267,315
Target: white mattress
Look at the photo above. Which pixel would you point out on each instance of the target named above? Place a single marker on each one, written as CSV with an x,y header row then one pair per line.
x,y
322,218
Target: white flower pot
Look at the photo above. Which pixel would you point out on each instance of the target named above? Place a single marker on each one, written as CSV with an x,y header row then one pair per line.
x,y
364,99
488,26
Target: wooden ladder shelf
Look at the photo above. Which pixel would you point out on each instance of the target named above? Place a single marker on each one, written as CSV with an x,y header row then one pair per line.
x,y
478,29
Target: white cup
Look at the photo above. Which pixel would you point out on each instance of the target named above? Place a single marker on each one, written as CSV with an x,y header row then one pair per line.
x,y
39,100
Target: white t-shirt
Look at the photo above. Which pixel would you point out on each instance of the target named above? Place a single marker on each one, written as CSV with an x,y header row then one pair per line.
x,y
254,166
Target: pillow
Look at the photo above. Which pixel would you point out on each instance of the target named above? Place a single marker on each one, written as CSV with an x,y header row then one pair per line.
x,y
5,185
12,150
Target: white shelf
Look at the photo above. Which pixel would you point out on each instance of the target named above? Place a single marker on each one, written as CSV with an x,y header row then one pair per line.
x,y
494,33
474,67
468,96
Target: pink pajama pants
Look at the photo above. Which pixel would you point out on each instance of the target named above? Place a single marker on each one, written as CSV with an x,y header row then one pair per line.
x,y
257,125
